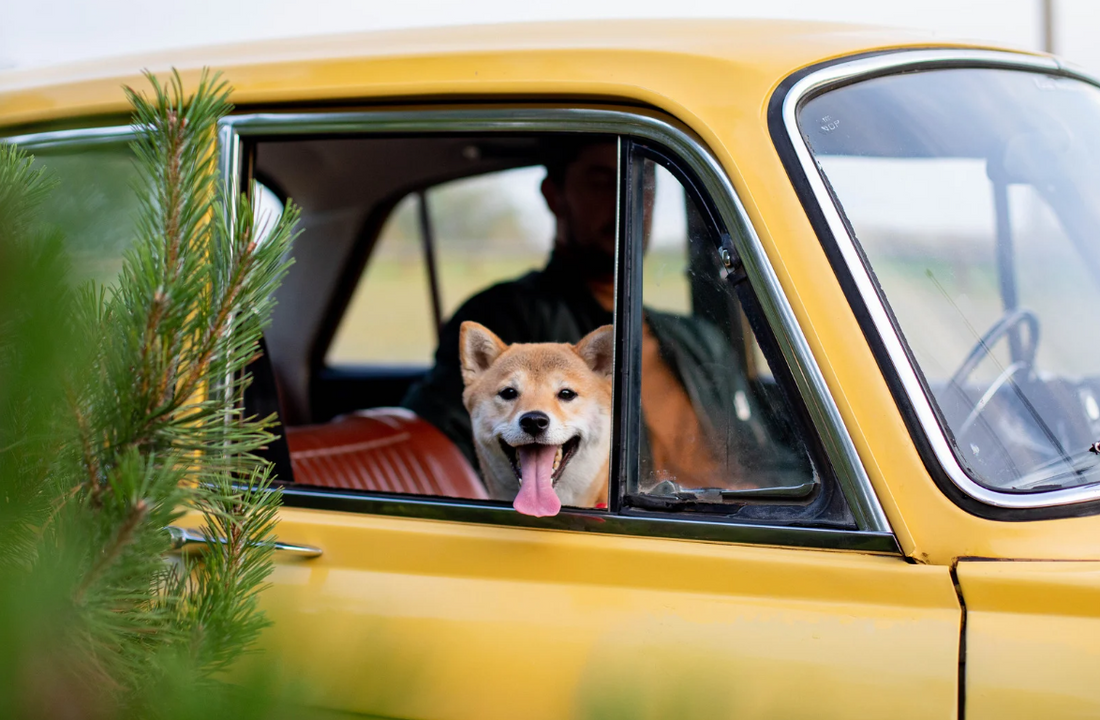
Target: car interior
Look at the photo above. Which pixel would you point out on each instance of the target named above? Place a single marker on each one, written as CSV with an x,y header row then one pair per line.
x,y
347,189
390,212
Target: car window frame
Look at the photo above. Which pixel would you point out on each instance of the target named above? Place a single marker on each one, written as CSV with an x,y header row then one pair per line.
x,y
872,532
638,151
880,327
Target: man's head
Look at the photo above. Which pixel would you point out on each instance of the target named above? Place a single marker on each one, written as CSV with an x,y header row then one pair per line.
x,y
580,189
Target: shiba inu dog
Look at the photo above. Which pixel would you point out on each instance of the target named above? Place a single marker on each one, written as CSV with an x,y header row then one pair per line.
x,y
541,415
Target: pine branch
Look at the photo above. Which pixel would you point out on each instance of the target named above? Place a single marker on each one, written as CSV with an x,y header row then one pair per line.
x,y
123,538
34,301
92,483
222,321
145,421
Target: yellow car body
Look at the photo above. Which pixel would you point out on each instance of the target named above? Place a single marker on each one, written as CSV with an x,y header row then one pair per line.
x,y
947,613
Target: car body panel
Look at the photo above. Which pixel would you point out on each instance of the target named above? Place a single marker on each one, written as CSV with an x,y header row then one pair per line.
x,y
1032,638
414,618
510,621
716,78
673,64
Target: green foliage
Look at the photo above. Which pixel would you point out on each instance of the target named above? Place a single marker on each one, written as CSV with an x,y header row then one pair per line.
x,y
120,409
32,296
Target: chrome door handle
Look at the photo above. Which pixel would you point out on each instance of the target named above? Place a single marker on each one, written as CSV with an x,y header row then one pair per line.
x,y
184,538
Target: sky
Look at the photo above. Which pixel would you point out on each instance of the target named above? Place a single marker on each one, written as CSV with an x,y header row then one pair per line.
x,y
50,32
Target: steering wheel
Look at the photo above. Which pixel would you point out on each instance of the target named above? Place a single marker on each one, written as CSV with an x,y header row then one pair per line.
x,y
1007,323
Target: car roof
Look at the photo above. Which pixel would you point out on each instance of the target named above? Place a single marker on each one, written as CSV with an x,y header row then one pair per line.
x,y
641,60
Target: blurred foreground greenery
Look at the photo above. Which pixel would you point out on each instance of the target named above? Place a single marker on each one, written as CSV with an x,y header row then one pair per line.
x,y
120,409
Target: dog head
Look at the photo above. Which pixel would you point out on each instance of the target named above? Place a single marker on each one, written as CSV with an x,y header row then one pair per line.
x,y
541,415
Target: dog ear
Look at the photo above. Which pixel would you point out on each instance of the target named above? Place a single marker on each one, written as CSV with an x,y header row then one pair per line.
x,y
597,348
478,348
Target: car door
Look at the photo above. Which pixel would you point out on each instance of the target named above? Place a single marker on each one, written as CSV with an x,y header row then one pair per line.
x,y
1031,636
780,595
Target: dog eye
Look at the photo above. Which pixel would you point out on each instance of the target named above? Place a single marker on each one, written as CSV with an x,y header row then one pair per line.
x,y
566,394
508,393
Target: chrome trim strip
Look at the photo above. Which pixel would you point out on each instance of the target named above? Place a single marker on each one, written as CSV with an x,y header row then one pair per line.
x,y
229,158
823,411
229,163
844,73
576,520
82,136
187,539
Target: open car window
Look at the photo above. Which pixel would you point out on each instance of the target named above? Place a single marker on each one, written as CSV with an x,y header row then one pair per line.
x,y
476,231
450,327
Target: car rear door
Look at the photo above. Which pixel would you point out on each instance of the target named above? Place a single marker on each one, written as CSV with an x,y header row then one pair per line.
x,y
415,617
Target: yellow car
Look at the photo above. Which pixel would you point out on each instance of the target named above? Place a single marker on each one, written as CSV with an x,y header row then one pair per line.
x,y
853,457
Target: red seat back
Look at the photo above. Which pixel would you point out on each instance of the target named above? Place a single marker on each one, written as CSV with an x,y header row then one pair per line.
x,y
382,450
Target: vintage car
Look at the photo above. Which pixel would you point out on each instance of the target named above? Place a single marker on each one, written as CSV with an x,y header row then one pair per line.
x,y
889,234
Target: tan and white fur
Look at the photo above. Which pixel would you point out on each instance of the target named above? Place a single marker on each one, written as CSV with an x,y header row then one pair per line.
x,y
541,416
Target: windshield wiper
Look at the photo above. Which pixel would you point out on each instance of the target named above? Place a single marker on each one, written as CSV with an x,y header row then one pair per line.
x,y
1044,477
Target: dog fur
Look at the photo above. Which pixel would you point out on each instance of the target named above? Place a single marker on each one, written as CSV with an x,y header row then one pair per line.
x,y
531,404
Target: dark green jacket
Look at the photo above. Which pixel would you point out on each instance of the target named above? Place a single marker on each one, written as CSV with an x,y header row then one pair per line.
x,y
552,305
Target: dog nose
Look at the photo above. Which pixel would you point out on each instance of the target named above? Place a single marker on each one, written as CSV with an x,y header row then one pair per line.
x,y
533,423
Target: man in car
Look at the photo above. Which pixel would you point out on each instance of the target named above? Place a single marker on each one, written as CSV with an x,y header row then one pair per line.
x,y
689,374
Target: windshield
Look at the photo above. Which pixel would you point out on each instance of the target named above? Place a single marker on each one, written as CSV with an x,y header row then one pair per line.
x,y
974,194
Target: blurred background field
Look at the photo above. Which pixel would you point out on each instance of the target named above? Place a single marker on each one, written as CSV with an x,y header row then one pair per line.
x,y
487,230
933,253
389,319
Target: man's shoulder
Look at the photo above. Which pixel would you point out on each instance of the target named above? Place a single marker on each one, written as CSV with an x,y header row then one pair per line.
x,y
493,295
505,308
516,307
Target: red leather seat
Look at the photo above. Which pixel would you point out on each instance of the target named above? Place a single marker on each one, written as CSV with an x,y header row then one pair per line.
x,y
382,450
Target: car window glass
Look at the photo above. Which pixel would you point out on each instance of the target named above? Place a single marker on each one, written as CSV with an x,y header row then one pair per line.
x,y
714,431
93,204
976,216
530,255
946,260
936,249
666,260
1051,279
666,273
485,229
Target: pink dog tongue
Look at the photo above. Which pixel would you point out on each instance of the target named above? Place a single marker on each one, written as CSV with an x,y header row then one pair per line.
x,y
536,492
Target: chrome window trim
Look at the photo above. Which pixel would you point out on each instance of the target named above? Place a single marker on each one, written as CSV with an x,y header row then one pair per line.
x,y
82,136
844,73
697,528
840,449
